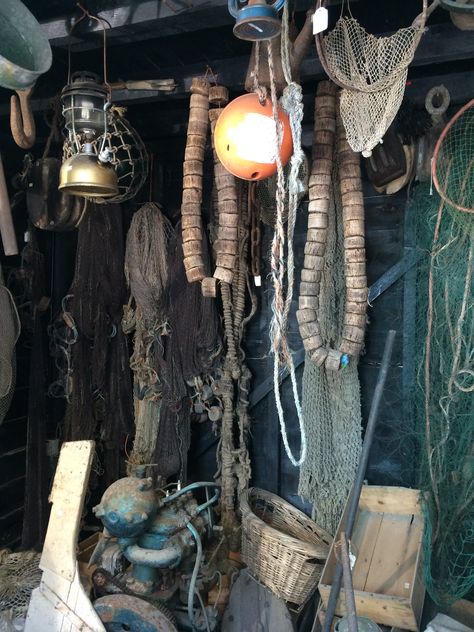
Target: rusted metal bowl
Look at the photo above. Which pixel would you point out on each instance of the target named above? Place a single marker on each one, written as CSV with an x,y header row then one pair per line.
x,y
25,53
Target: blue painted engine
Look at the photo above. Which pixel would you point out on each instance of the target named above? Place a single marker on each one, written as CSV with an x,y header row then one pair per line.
x,y
150,563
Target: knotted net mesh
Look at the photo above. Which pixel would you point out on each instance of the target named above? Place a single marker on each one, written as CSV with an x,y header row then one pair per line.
x,y
331,399
372,72
19,576
453,161
444,397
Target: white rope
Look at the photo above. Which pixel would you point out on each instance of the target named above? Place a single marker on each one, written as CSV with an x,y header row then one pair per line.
x,y
292,102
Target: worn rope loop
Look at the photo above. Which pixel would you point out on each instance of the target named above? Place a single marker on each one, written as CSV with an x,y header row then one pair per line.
x,y
283,274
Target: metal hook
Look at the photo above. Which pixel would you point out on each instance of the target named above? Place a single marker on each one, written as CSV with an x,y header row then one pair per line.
x,y
22,121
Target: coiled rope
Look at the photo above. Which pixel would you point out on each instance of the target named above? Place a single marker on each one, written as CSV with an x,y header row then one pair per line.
x,y
292,102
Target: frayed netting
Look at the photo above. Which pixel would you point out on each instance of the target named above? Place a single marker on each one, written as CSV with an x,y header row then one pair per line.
x,y
20,574
444,397
190,349
331,399
101,400
146,271
372,73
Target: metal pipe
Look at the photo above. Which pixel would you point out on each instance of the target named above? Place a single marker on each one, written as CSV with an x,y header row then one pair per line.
x,y
162,558
348,587
360,475
185,490
192,582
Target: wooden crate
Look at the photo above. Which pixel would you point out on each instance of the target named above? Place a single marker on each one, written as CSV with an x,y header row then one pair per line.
x,y
388,575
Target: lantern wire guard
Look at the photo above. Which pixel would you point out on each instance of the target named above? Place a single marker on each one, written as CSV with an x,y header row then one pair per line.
x,y
372,73
119,144
453,161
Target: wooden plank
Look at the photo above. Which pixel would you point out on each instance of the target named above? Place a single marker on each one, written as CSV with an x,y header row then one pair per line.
x,y
392,570
461,610
397,500
60,603
67,496
364,539
383,609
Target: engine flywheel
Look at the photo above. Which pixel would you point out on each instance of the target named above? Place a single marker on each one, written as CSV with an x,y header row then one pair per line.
x,y
123,612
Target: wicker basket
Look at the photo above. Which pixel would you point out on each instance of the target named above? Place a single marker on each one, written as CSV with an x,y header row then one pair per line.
x,y
281,546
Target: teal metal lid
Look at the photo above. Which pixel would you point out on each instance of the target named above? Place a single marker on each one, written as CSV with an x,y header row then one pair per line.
x,y
25,53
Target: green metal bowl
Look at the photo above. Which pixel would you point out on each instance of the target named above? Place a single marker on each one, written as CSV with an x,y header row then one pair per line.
x,y
25,53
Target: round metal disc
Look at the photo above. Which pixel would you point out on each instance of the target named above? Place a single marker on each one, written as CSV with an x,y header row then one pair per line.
x,y
119,613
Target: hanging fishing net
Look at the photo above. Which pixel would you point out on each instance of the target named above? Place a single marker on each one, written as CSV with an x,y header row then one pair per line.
x,y
453,161
9,332
19,576
331,399
372,72
146,271
444,397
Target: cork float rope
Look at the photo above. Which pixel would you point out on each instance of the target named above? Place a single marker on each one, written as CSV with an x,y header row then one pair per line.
x,y
329,136
191,221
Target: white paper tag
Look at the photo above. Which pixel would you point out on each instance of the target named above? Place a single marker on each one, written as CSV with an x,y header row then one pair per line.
x,y
320,20
258,281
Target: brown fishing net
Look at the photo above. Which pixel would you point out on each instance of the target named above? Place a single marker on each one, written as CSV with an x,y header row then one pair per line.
x,y
189,350
146,270
101,400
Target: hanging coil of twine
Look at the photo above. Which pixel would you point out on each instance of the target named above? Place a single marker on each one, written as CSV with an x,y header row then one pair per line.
x,y
372,73
282,255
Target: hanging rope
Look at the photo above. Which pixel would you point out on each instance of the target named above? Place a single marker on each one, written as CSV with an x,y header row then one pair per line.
x,y
283,272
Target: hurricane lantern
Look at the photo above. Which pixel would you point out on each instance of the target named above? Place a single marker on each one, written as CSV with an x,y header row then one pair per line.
x,y
85,102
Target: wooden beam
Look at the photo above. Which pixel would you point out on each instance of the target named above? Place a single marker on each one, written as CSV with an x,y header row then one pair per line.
x,y
149,19
441,43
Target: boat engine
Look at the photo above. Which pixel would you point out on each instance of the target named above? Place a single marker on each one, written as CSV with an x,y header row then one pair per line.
x,y
151,569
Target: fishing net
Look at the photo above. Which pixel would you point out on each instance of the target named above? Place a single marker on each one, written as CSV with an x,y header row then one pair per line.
x,y
189,349
146,271
19,576
372,72
101,398
444,397
331,399
453,161
9,332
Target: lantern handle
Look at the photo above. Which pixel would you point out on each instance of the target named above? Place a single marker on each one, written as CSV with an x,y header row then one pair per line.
x,y
103,22
234,6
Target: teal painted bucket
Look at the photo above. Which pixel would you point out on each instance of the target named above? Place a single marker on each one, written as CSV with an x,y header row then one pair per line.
x,y
25,53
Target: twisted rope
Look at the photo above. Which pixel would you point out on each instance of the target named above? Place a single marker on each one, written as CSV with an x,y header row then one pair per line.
x,y
292,102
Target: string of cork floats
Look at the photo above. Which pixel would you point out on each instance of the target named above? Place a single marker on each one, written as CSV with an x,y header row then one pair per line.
x,y
191,221
227,242
328,136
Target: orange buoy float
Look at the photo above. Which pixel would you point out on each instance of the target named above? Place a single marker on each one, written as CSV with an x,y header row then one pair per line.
x,y
245,140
